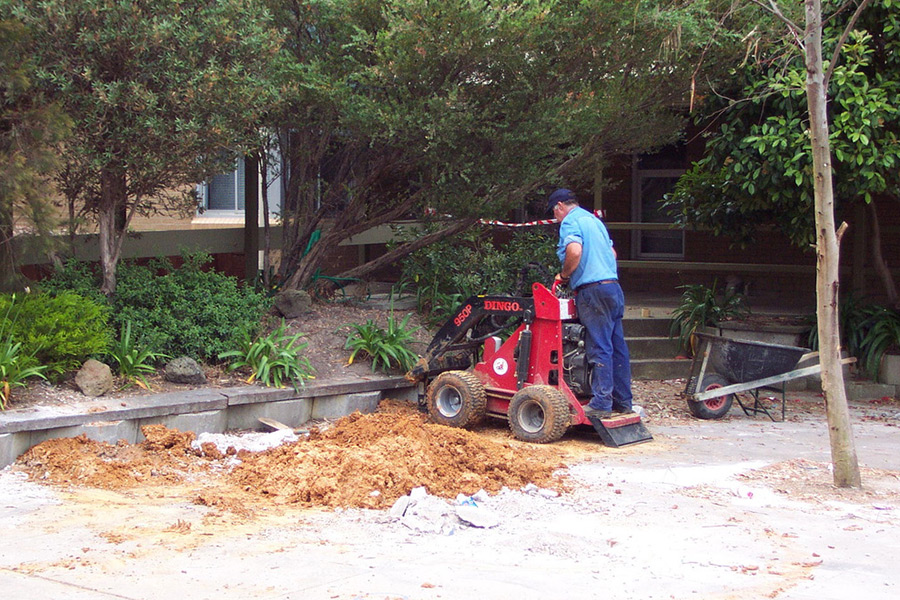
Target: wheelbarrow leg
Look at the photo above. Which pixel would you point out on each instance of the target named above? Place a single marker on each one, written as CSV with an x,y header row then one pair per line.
x,y
759,408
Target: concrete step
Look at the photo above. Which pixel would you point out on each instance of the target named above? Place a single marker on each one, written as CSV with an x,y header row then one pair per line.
x,y
869,390
646,327
660,368
653,347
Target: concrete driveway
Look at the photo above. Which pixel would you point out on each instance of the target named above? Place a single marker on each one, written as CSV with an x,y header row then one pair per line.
x,y
724,509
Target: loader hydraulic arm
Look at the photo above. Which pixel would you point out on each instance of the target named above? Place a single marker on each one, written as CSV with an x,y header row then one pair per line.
x,y
484,316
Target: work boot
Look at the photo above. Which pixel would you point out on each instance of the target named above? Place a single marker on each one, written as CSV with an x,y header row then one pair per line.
x,y
623,411
597,414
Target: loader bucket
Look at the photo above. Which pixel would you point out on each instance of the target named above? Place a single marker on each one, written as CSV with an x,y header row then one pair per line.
x,y
623,430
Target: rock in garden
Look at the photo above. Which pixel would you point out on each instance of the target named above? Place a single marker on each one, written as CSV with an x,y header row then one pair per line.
x,y
185,369
94,378
293,303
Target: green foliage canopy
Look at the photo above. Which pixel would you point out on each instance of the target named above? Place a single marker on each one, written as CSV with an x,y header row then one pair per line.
x,y
758,165
30,129
162,93
467,106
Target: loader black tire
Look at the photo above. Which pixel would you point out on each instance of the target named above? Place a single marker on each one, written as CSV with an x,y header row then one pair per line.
x,y
714,408
456,398
539,414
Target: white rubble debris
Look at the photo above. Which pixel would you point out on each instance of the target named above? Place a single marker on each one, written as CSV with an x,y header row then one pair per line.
x,y
424,513
253,441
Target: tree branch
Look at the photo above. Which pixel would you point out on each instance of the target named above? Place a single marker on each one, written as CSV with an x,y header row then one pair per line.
x,y
837,50
407,249
772,7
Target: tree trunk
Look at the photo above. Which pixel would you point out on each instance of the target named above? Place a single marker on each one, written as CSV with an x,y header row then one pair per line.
x,y
267,238
881,266
251,217
843,451
9,276
407,249
112,200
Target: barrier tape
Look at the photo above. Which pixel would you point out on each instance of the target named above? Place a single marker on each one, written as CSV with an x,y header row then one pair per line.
x,y
597,213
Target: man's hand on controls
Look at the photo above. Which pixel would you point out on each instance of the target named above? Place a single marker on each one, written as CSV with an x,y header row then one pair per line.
x,y
561,279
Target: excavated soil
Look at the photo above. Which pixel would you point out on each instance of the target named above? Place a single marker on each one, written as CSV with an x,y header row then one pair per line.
x,y
365,461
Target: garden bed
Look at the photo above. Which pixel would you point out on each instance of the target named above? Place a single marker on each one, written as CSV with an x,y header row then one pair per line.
x,y
326,328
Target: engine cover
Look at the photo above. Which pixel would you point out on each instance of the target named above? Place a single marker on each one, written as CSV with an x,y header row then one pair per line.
x,y
576,370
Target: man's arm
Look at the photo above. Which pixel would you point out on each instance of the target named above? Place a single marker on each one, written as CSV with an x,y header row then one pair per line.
x,y
573,257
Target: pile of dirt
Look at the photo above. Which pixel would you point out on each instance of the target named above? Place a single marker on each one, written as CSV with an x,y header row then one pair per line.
x,y
165,456
371,460
362,461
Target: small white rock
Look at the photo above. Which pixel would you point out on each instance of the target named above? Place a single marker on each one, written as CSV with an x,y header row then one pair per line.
x,y
477,516
399,507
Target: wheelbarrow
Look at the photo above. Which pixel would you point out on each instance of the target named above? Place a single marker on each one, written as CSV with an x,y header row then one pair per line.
x,y
724,367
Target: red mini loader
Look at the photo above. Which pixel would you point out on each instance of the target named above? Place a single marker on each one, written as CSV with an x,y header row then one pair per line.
x,y
538,378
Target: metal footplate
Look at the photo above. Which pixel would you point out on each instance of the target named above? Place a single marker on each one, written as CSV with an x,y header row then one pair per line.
x,y
621,430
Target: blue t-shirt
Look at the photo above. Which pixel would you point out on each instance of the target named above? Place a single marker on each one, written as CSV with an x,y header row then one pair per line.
x,y
598,263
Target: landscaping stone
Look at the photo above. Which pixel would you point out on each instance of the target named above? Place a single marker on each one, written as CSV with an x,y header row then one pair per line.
x,y
185,369
293,303
94,378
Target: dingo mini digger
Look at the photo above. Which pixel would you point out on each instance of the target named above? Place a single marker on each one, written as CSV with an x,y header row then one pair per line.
x,y
538,378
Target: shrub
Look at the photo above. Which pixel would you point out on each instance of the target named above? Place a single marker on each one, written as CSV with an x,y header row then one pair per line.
x,y
472,263
272,359
183,311
700,306
387,347
133,362
854,314
882,334
15,366
61,331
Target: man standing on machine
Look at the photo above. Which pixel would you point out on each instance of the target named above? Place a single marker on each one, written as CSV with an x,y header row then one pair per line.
x,y
589,268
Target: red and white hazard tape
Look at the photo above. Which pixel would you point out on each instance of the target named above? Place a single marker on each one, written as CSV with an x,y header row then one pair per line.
x,y
597,213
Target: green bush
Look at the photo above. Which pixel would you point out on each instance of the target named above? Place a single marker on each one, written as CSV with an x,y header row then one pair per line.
x,y
15,366
445,273
387,347
59,331
183,311
854,313
131,361
701,306
882,334
272,359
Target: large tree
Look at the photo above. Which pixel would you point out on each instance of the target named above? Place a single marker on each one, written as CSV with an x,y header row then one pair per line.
x,y
163,93
758,167
31,128
467,106
771,159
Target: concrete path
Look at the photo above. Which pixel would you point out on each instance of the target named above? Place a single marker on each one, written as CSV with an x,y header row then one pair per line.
x,y
668,519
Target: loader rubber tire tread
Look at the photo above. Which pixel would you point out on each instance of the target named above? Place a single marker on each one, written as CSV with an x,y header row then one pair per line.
x,y
714,408
539,414
456,399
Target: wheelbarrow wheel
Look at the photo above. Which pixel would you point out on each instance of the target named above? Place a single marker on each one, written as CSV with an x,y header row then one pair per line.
x,y
539,414
456,398
714,408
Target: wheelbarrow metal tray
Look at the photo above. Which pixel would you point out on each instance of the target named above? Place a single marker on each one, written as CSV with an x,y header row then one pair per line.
x,y
741,361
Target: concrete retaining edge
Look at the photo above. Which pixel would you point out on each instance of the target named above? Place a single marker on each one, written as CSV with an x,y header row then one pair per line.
x,y
202,410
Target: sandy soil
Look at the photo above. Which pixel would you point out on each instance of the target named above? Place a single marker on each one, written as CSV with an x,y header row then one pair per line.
x,y
694,514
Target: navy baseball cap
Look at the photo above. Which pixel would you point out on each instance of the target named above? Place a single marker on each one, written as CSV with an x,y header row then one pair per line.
x,y
560,195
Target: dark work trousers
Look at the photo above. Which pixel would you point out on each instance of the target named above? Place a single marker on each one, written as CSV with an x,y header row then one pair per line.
x,y
600,309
